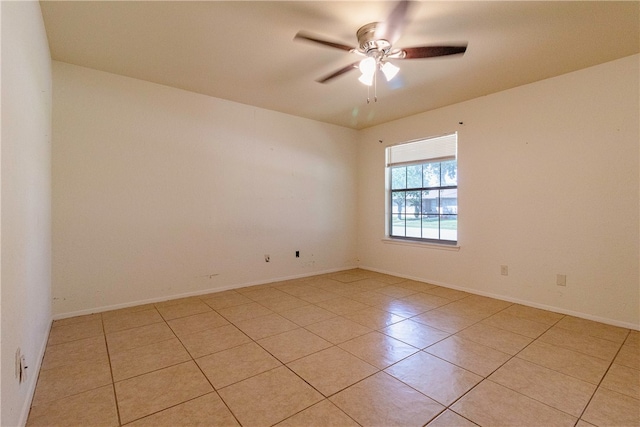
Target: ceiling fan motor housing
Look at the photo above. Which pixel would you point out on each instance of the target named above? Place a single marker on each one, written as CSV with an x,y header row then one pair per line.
x,y
368,43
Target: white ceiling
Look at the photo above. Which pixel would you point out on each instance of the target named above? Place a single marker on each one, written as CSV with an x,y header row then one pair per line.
x,y
244,51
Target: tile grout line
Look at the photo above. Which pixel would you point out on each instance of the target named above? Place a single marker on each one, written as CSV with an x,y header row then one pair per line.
x,y
598,386
285,365
215,390
578,418
176,364
333,345
486,378
378,370
154,370
113,383
418,350
282,364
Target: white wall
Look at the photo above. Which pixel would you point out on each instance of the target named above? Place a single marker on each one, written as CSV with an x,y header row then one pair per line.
x,y
159,192
26,202
548,184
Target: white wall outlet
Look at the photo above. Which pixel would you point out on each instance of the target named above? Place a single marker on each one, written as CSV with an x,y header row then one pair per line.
x,y
504,270
561,280
17,363
21,367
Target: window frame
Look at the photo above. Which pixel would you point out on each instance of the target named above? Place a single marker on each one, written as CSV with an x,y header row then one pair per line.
x,y
390,201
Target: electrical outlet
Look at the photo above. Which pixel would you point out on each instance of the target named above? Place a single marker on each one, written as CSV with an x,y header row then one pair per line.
x,y
21,367
561,280
267,258
17,363
504,270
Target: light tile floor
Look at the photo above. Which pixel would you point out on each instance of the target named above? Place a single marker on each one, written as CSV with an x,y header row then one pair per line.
x,y
344,349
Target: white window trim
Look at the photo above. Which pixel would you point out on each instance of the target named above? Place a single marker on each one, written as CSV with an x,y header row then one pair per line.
x,y
419,244
448,153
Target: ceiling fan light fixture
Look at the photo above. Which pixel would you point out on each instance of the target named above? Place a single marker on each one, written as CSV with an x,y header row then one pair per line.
x,y
366,79
367,66
389,70
375,43
368,69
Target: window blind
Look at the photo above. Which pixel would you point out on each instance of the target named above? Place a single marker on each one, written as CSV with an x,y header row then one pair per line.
x,y
440,148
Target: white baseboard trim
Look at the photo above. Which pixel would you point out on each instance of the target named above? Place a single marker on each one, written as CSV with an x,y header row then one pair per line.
x,y
33,374
60,316
554,309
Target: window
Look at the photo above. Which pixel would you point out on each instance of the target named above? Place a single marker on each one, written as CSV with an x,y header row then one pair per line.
x,y
423,190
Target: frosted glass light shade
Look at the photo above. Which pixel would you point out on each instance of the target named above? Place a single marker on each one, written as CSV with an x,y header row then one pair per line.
x,y
389,70
368,69
367,66
366,79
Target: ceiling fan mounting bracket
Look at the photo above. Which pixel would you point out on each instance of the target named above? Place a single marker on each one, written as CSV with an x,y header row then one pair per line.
x,y
369,44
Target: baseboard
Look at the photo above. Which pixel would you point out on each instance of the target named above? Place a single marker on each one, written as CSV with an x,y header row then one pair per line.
x,y
554,309
34,373
194,293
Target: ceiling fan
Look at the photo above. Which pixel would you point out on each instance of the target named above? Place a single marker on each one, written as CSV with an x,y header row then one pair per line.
x,y
375,44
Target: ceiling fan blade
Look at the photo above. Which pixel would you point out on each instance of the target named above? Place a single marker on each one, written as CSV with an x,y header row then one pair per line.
x,y
431,51
306,36
391,29
337,73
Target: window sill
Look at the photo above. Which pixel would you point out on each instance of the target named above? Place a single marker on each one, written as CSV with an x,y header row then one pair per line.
x,y
428,245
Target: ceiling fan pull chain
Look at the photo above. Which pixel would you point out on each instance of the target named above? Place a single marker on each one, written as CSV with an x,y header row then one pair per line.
x,y
375,87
